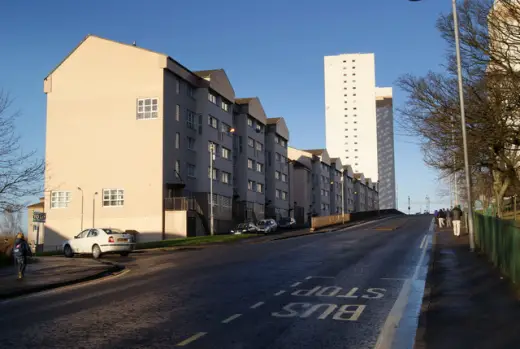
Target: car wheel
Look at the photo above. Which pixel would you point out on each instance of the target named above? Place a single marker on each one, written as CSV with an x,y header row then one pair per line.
x,y
67,251
124,254
96,252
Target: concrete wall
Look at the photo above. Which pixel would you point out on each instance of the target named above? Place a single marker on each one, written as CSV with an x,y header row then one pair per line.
x,y
175,224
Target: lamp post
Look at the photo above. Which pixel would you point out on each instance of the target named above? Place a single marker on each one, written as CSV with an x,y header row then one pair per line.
x,y
343,197
81,190
463,124
94,209
211,158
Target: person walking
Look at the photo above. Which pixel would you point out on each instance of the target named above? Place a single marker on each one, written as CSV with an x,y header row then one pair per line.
x,y
448,218
456,215
21,251
442,217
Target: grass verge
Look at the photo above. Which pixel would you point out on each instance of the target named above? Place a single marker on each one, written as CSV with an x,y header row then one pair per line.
x,y
194,241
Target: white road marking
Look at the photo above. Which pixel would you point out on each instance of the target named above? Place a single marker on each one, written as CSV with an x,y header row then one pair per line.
x,y
296,284
386,337
259,304
423,242
279,293
231,318
192,339
319,277
394,279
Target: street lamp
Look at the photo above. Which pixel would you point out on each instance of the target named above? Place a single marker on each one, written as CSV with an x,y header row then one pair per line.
x,y
342,197
81,190
211,159
463,124
94,209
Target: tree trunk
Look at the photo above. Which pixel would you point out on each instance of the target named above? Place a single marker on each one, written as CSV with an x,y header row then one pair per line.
x,y
501,183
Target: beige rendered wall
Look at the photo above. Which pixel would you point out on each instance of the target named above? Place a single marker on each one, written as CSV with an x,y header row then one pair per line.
x,y
175,224
94,140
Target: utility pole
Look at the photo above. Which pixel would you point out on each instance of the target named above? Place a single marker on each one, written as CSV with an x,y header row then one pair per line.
x,y
343,198
408,204
211,158
428,203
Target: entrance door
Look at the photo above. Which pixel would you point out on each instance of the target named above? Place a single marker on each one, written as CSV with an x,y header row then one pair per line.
x,y
192,226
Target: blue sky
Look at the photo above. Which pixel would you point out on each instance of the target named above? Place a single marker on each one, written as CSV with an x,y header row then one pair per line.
x,y
272,49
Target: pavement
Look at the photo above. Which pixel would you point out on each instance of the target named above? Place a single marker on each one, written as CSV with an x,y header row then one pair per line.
x,y
345,289
468,304
44,273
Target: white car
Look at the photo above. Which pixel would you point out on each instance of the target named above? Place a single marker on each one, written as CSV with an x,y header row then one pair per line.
x,y
98,241
267,226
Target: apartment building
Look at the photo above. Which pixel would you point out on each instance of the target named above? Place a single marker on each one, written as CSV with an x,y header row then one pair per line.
x,y
360,193
277,177
128,134
249,121
300,188
348,178
336,186
385,146
350,111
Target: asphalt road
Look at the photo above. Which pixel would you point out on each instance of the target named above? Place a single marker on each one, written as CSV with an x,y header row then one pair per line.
x,y
346,289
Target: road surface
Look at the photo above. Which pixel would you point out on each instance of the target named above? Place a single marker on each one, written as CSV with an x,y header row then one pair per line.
x,y
346,289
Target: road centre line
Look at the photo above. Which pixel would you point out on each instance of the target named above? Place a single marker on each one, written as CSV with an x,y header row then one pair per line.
x,y
259,304
394,279
296,284
231,318
386,337
319,277
192,339
279,293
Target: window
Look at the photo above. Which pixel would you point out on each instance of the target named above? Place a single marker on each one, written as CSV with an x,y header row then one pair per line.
x,y
191,143
259,146
276,139
277,175
259,127
60,199
224,105
190,91
249,122
278,193
214,145
190,120
259,187
177,169
250,185
177,86
113,197
259,167
250,142
284,177
225,127
215,173
225,177
177,112
283,142
250,164
191,170
277,157
213,122
226,153
283,159
147,108
284,195
212,98
177,140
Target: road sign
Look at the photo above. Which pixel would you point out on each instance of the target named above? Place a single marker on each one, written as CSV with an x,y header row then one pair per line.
x,y
39,217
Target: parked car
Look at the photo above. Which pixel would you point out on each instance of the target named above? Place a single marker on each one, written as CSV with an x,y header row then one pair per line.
x,y
287,223
99,241
267,226
245,228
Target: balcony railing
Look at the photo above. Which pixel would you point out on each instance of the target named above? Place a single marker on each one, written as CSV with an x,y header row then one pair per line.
x,y
182,204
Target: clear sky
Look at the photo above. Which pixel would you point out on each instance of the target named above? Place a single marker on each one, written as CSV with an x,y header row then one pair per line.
x,y
272,49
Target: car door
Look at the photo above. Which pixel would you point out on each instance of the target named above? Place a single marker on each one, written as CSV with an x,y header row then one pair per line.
x,y
91,239
77,243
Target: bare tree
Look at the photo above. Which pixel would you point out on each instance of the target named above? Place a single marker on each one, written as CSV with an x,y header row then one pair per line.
x,y
21,174
12,222
491,80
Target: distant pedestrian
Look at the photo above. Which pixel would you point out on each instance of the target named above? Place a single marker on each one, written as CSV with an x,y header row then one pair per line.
x,y
442,217
21,251
436,216
448,218
456,214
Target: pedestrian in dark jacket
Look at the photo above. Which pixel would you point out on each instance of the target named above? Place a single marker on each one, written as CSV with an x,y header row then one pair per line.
x,y
456,217
21,251
442,217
